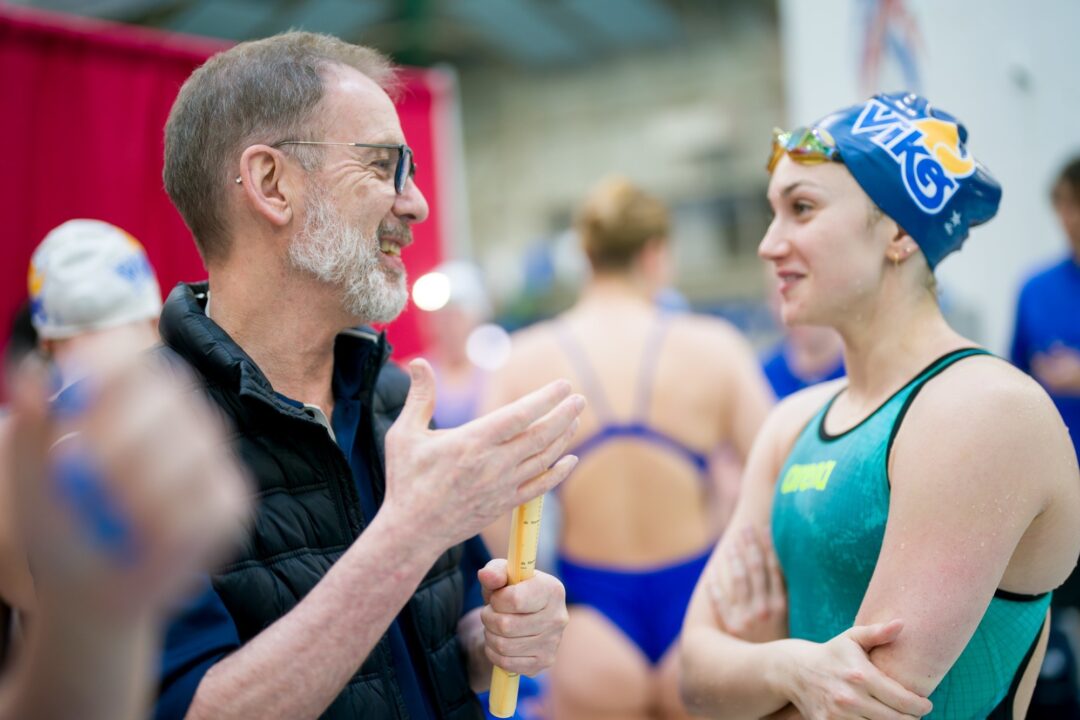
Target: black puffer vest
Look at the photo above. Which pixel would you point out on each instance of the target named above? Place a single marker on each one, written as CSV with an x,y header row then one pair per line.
x,y
308,514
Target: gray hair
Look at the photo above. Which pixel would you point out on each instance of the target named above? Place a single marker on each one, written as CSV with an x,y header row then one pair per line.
x,y
263,91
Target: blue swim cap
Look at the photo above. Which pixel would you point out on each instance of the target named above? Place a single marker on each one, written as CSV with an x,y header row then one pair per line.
x,y
912,160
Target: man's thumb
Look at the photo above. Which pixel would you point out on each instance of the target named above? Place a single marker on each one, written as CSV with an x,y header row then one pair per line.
x,y
420,403
871,636
492,577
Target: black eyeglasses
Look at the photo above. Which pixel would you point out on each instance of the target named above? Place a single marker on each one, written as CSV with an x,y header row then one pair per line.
x,y
405,168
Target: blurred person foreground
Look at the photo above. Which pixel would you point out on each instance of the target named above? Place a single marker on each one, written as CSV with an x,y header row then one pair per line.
x,y
114,515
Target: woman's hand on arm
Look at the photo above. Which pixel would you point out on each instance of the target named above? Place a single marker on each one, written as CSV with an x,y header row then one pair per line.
x,y
835,680
747,588
726,676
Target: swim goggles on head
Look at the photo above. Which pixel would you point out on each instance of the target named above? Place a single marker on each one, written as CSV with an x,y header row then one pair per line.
x,y
804,145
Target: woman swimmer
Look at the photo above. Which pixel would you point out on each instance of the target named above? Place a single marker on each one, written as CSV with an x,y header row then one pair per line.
x,y
664,391
922,510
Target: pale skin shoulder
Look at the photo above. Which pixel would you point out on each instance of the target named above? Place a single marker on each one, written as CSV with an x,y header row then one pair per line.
x,y
725,356
984,485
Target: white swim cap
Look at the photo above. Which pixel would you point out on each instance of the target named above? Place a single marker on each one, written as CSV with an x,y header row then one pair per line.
x,y
89,275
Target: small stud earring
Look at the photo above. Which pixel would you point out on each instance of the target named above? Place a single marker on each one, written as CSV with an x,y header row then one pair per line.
x,y
238,180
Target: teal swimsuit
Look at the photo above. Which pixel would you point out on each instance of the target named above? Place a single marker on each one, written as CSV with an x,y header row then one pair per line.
x,y
828,522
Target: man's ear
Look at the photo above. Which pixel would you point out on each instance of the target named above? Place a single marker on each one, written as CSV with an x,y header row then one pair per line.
x,y
269,183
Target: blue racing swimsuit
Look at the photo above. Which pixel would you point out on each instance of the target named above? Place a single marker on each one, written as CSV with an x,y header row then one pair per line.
x,y
828,523
646,604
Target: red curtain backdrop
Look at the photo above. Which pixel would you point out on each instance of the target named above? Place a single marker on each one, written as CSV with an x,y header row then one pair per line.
x,y
82,118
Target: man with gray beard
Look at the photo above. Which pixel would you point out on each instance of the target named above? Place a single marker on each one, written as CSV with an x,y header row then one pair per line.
x,y
336,251
286,159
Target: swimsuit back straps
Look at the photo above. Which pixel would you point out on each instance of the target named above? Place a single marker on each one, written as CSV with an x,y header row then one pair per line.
x,y
637,427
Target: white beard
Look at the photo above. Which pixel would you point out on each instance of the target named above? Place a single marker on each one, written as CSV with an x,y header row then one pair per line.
x,y
335,251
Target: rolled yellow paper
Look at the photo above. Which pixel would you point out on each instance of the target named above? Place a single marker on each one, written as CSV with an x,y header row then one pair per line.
x,y
520,565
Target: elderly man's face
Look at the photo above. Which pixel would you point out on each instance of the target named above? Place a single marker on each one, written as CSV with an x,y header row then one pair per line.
x,y
354,223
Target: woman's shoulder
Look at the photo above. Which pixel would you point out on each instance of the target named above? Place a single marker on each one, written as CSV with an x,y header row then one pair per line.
x,y
991,386
792,414
983,411
712,343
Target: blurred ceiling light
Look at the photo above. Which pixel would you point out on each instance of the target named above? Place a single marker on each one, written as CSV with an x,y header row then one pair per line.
x,y
431,292
488,347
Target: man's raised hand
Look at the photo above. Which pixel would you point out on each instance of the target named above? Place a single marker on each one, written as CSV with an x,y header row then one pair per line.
x,y
450,484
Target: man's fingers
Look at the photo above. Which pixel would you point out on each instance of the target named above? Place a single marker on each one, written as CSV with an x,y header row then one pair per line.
x,y
546,481
507,625
543,460
420,402
523,647
528,596
511,420
523,665
545,431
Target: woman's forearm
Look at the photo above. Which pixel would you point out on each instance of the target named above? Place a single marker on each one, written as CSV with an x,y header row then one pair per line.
x,y
724,677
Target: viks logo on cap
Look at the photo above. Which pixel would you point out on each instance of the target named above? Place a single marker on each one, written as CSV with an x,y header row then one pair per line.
x,y
929,152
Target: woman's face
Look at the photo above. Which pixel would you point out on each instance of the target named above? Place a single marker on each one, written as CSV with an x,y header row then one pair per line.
x,y
826,245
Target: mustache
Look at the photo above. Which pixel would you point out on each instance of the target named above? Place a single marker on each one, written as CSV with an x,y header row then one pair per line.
x,y
400,233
